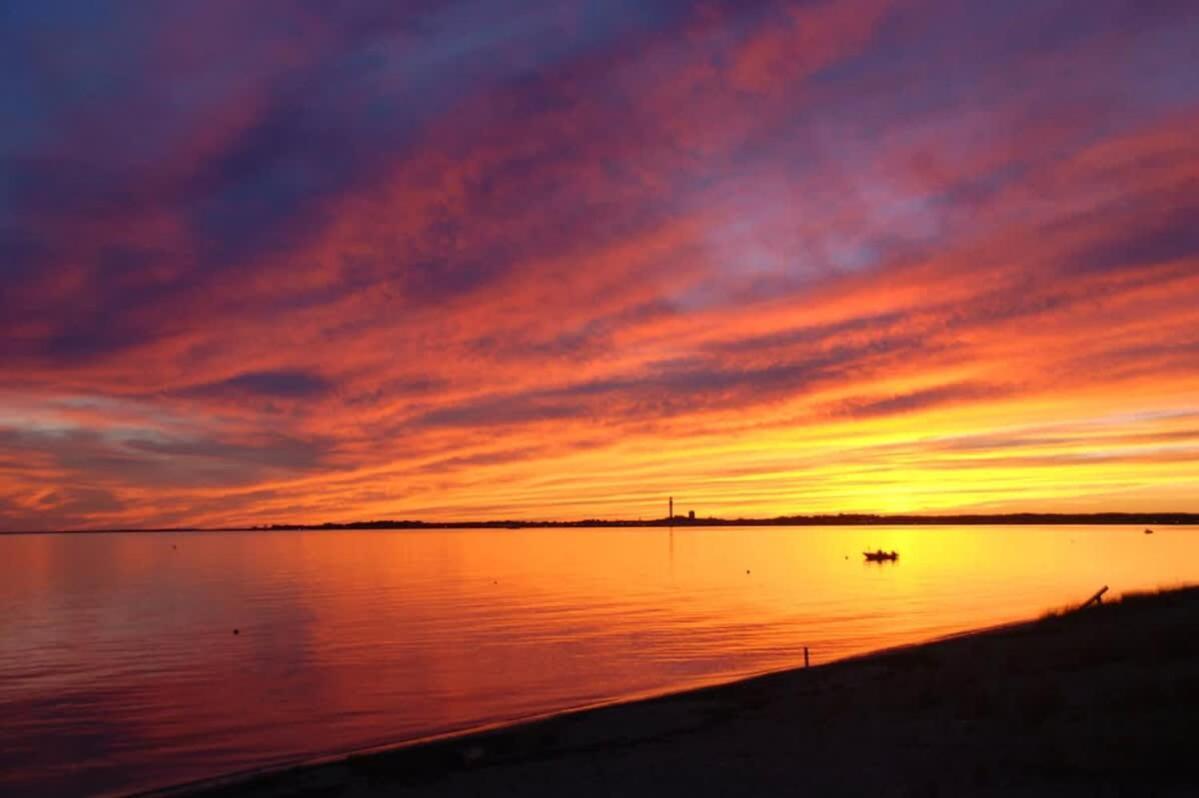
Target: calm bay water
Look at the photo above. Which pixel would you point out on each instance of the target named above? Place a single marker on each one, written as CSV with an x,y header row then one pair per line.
x,y
120,671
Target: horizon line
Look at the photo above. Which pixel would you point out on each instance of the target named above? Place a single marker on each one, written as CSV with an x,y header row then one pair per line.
x,y
817,519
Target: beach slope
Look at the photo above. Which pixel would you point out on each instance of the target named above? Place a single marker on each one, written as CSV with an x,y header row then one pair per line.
x,y
1102,701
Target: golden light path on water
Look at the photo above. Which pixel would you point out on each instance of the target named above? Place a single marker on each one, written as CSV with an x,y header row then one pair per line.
x,y
120,669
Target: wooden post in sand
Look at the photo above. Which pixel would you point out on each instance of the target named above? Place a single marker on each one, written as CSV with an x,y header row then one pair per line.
x,y
1095,599
805,656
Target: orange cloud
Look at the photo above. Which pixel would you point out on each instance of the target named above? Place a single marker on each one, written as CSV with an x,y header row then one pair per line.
x,y
778,260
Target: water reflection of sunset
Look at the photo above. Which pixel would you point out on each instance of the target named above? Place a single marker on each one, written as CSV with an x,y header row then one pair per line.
x,y
350,639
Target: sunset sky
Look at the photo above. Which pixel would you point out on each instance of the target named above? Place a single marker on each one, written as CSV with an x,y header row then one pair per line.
x,y
291,261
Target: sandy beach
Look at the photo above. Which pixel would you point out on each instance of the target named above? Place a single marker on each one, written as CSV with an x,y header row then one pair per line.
x,y
1102,701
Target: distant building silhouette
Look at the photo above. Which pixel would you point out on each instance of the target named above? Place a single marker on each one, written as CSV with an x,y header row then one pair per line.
x,y
691,515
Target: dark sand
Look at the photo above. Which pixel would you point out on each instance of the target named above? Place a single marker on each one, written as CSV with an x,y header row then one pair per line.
x,y
1099,702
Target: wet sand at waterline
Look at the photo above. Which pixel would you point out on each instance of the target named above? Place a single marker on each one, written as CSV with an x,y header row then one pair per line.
x,y
1100,701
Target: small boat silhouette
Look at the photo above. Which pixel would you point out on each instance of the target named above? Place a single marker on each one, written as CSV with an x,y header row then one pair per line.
x,y
880,555
1148,531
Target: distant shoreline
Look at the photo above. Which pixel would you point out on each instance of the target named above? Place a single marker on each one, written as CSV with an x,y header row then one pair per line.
x,y
840,519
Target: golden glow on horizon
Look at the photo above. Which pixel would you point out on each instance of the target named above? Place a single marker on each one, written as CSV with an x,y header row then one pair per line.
x,y
762,291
